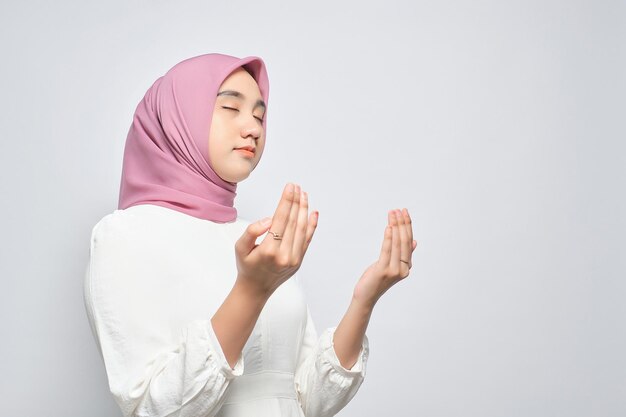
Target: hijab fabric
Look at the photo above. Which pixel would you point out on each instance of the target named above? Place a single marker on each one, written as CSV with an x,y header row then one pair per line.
x,y
166,159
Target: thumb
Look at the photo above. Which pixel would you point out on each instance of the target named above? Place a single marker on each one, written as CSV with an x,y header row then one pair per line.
x,y
254,230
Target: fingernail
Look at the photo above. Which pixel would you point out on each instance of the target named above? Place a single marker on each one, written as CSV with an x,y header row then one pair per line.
x,y
266,221
289,187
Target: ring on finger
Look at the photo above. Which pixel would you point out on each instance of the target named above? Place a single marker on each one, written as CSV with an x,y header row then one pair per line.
x,y
276,235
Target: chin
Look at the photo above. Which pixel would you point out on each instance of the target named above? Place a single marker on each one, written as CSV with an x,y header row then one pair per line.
x,y
240,177
239,171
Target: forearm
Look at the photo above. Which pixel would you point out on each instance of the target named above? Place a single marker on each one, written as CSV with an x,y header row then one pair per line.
x,y
349,334
234,320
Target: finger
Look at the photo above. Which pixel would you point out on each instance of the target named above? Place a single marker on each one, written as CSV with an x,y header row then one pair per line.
x,y
385,251
281,215
286,245
394,262
408,224
301,227
247,241
405,243
313,218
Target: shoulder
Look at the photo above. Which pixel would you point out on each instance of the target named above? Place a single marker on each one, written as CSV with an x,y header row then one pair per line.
x,y
154,223
119,222
141,225
107,224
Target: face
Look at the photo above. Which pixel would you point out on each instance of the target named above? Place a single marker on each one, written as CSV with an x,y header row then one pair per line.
x,y
237,122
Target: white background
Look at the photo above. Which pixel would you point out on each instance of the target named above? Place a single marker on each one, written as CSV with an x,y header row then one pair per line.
x,y
498,124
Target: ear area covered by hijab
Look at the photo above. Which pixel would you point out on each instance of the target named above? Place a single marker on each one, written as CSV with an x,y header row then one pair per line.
x,y
166,153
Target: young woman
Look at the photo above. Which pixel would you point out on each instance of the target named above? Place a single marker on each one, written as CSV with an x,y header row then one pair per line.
x,y
191,315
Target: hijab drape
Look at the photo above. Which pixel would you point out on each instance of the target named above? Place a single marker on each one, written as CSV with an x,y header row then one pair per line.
x,y
166,159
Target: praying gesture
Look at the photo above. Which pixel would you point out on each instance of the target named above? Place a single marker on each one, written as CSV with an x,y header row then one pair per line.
x,y
266,266
263,267
395,261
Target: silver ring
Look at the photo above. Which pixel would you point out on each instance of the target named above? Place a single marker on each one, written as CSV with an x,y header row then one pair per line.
x,y
276,235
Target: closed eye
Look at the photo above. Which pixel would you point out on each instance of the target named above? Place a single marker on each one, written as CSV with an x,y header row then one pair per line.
x,y
230,108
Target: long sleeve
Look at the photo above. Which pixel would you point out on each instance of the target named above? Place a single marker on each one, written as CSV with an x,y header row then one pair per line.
x,y
154,368
323,386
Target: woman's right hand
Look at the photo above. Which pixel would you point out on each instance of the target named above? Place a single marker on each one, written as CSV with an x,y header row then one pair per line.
x,y
264,267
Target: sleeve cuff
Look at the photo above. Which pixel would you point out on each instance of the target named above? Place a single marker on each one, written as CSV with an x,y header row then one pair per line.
x,y
328,350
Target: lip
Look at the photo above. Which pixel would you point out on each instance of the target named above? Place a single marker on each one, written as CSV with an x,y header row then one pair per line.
x,y
245,152
247,147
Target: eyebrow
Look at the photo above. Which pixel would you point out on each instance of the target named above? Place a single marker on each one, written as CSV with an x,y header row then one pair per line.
x,y
237,94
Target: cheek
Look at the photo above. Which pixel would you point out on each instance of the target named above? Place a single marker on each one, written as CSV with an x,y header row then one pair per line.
x,y
217,135
260,147
261,142
216,148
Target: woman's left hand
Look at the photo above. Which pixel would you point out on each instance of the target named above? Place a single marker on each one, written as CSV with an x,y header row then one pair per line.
x,y
394,263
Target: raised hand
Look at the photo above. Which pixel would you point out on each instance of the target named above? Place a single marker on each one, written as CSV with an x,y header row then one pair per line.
x,y
394,262
264,267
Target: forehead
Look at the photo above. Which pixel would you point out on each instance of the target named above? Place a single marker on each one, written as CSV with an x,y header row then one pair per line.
x,y
241,80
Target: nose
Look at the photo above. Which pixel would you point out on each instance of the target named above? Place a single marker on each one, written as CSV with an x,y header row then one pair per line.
x,y
251,127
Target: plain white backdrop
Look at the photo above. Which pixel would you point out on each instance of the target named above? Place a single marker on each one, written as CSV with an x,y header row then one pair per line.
x,y
498,124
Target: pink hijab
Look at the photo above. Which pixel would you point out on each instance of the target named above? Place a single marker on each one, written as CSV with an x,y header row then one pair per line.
x,y
166,154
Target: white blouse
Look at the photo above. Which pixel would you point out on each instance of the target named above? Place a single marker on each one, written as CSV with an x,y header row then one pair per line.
x,y
155,278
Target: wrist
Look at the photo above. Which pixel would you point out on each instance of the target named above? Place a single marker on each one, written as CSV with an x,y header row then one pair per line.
x,y
365,307
364,297
251,292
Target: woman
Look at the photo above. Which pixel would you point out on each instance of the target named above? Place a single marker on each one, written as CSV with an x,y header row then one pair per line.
x,y
191,316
